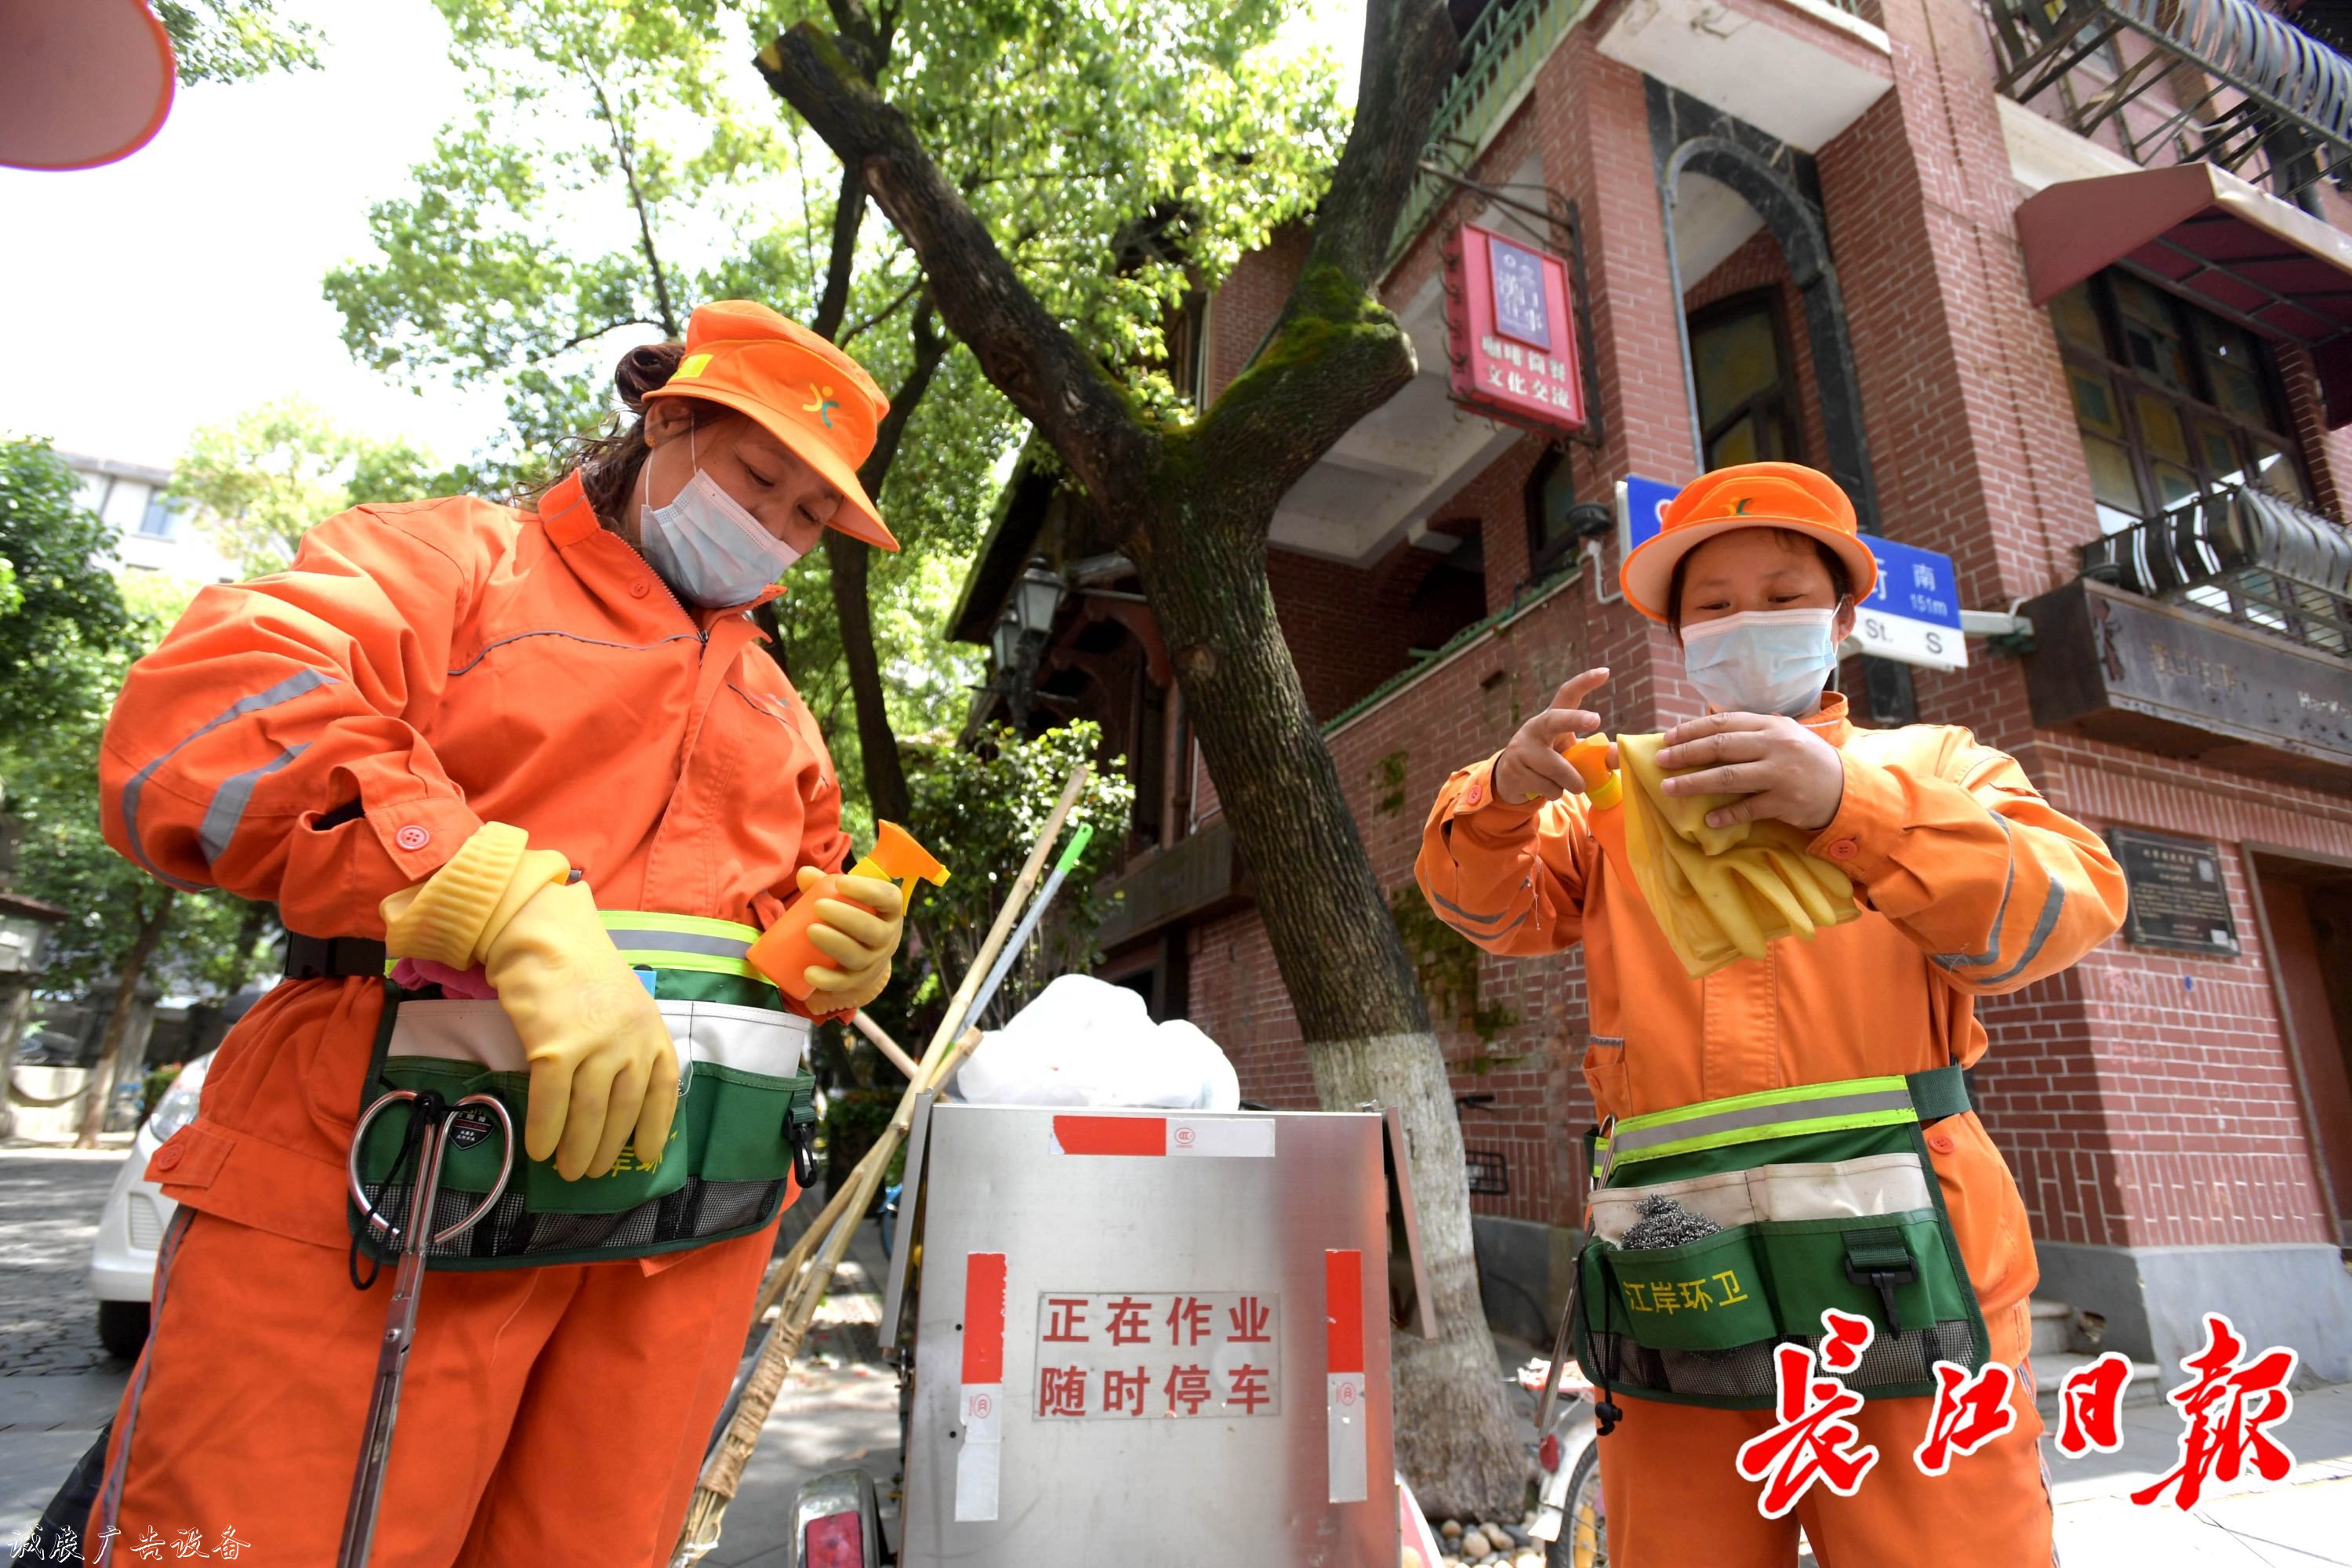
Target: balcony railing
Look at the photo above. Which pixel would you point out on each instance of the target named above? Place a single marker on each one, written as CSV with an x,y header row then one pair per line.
x,y
2242,554
2176,81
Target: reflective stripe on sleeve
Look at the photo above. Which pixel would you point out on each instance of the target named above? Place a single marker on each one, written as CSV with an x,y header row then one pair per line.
x,y
226,812
286,690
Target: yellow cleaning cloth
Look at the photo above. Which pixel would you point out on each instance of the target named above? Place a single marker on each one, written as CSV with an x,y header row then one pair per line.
x,y
1721,894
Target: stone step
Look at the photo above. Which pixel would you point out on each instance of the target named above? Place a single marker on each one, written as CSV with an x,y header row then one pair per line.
x,y
2050,1371
2053,1327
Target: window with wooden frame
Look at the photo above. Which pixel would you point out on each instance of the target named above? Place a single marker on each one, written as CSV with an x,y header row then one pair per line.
x,y
1552,490
1746,381
2172,401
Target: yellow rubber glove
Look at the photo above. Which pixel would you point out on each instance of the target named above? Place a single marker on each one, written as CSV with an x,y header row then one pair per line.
x,y
860,937
602,1069
1720,894
602,1064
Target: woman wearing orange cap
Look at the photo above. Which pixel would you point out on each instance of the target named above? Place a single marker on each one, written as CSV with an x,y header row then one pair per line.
x,y
1970,884
534,765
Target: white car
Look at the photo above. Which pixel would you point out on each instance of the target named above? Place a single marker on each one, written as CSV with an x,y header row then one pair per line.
x,y
131,1226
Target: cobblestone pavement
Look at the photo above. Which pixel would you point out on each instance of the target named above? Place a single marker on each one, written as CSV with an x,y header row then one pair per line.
x,y
49,1201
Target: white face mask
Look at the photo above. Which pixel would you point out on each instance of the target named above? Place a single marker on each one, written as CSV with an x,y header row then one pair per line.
x,y
705,546
1762,661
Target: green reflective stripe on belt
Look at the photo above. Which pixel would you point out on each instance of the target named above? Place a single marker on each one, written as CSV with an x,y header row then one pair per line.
x,y
682,942
1752,1118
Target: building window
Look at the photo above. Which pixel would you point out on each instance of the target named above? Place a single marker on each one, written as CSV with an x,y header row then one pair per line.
x,y
1747,393
2172,401
1552,490
161,519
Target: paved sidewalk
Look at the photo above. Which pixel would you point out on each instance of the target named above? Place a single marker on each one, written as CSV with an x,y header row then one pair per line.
x,y
2304,1520
50,1203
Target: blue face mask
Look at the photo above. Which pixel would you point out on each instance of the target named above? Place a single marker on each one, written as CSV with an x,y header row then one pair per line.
x,y
707,547
1762,661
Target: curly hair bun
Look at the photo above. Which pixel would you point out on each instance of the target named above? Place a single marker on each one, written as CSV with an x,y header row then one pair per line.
x,y
643,369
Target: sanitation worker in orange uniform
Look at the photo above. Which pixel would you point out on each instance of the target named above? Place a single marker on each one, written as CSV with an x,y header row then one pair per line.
x,y
1970,884
534,763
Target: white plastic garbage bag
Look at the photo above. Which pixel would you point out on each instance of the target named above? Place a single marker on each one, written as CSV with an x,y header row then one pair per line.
x,y
1082,1041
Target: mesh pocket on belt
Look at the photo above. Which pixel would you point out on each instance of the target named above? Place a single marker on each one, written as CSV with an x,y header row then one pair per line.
x,y
696,1211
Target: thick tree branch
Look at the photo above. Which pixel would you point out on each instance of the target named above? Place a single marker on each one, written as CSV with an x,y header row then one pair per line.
x,y
1335,354
1052,380
1409,48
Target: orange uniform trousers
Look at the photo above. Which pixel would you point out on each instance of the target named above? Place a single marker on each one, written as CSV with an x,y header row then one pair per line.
x,y
550,1416
1674,1496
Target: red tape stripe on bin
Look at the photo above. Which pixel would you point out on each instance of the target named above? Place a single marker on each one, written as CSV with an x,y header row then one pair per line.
x,y
983,1317
1343,1311
1111,1134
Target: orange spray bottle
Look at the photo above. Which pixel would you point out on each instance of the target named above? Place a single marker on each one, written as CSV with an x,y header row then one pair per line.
x,y
784,953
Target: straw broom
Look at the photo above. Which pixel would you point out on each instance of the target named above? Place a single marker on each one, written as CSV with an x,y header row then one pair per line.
x,y
803,1289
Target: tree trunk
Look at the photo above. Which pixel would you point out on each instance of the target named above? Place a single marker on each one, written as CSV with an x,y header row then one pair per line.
x,y
849,562
118,1023
1351,982
250,927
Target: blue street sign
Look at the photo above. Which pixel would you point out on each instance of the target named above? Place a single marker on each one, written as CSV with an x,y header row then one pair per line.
x,y
1914,614
1914,583
1639,504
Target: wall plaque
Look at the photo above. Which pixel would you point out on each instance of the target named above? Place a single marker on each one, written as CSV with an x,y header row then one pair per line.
x,y
2178,899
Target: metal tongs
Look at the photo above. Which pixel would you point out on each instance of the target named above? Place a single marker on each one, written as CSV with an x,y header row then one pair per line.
x,y
434,1124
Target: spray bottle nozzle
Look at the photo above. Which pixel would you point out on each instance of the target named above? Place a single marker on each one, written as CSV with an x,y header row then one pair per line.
x,y
897,857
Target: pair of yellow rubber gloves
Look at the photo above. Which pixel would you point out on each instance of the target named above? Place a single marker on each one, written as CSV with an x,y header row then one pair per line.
x,y
1720,893
603,1071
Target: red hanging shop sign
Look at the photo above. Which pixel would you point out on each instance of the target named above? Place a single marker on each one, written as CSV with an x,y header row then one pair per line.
x,y
1509,333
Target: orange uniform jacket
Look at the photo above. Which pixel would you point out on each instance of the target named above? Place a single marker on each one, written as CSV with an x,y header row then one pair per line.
x,y
1971,884
328,735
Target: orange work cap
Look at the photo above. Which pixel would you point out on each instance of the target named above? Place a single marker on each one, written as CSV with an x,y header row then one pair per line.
x,y
1747,495
798,387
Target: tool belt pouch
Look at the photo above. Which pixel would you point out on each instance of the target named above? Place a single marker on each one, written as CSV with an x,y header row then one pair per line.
x,y
1825,1197
743,1102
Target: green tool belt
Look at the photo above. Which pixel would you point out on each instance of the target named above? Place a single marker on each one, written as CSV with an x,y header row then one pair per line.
x,y
1825,1197
745,1109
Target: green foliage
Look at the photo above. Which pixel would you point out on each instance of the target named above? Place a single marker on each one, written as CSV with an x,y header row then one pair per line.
x,y
61,617
979,810
1123,154
1446,962
152,1087
235,40
1388,777
262,480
